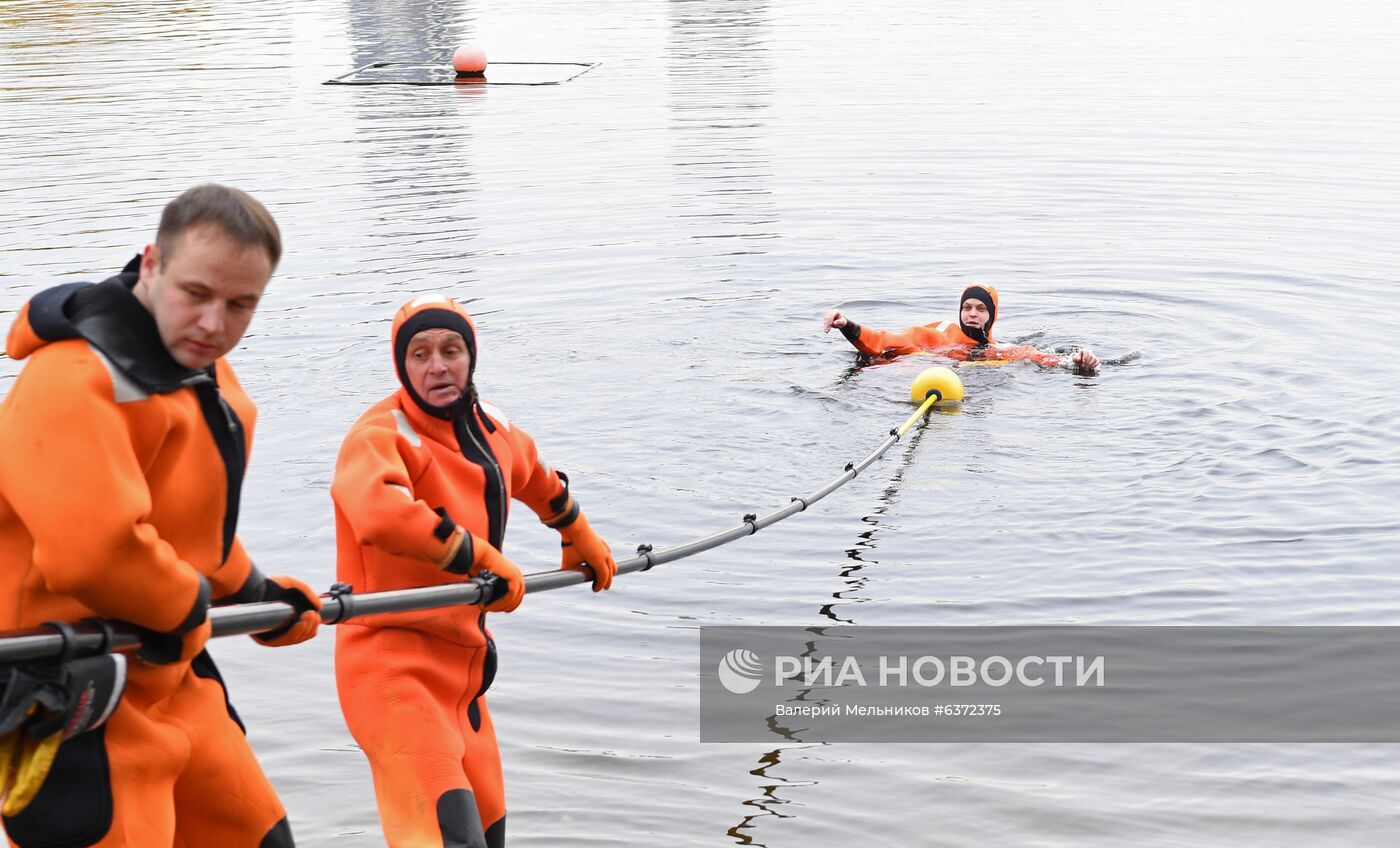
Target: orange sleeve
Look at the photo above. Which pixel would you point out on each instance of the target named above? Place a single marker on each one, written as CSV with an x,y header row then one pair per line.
x,y
872,342
72,476
1024,353
374,490
232,576
21,339
535,484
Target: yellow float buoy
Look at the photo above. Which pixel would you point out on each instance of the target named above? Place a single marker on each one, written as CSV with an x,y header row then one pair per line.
x,y
938,380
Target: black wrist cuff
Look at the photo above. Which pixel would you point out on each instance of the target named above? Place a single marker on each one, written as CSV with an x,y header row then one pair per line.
x,y
561,500
461,562
249,593
199,612
561,520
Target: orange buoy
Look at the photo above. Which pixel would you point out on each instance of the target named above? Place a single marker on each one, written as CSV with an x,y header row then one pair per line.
x,y
469,60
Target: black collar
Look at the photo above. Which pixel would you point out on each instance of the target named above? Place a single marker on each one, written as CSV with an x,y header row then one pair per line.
x,y
111,319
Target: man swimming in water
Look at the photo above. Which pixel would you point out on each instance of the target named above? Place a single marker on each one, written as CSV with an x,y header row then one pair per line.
x,y
969,339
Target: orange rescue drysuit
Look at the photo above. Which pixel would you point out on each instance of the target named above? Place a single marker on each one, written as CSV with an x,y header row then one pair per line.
x,y
120,473
412,684
948,338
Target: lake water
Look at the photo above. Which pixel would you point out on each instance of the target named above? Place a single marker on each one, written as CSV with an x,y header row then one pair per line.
x,y
1207,190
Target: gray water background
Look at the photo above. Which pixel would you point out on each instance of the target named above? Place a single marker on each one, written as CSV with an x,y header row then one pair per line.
x,y
649,249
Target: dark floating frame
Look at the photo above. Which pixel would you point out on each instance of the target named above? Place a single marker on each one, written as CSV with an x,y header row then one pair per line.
x,y
438,73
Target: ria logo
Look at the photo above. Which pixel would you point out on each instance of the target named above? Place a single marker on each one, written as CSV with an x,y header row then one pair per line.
x,y
740,671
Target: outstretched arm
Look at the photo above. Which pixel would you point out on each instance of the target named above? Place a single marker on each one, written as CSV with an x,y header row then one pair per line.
x,y
879,342
1082,361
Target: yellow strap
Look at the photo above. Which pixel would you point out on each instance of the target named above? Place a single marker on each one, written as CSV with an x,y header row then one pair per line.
x,y
29,761
9,759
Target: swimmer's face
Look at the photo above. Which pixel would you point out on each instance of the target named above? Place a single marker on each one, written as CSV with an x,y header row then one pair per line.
x,y
974,313
438,365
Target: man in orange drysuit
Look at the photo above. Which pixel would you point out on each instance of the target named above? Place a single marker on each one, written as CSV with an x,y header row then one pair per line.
x,y
970,338
124,441
422,489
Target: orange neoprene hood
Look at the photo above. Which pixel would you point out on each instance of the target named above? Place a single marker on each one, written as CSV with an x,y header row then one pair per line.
x,y
988,296
428,312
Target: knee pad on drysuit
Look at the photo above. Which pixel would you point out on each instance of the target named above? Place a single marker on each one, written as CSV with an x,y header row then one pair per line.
x,y
460,823
280,836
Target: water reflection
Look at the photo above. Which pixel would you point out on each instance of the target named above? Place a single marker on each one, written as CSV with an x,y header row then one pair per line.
x,y
407,30
416,145
720,80
851,573
77,23
769,802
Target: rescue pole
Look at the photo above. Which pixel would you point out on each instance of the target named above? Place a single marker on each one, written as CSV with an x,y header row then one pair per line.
x,y
94,636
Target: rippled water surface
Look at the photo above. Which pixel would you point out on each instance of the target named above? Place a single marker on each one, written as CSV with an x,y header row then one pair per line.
x,y
1208,190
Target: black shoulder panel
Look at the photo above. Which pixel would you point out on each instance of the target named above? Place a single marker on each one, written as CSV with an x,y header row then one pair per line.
x,y
110,317
46,313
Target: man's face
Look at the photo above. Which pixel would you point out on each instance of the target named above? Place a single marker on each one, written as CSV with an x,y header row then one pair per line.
x,y
204,292
438,365
974,313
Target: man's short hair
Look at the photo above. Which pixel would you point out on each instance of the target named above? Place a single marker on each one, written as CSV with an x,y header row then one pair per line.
x,y
236,213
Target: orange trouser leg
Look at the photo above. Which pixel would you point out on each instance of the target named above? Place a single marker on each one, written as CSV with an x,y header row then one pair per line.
x,y
148,777
222,796
407,698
